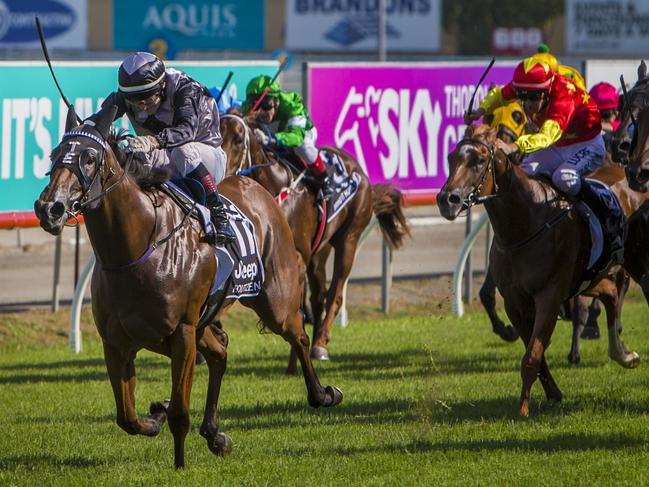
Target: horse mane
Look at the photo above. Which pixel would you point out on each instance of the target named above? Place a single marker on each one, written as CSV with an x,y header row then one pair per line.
x,y
145,176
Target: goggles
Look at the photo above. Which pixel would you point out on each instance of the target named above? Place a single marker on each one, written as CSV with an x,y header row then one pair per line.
x,y
536,95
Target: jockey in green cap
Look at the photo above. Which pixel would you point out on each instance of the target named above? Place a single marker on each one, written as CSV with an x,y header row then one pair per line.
x,y
290,125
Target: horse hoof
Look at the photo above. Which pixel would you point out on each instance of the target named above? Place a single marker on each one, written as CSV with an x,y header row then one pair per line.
x,y
220,444
319,353
573,360
159,408
509,334
632,361
335,396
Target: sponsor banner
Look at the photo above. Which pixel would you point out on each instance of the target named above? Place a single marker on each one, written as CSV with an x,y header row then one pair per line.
x,y
64,23
32,116
609,70
193,24
332,25
400,121
619,27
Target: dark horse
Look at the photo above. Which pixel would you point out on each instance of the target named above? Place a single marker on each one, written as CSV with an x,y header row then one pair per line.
x,y
539,254
155,273
342,233
633,152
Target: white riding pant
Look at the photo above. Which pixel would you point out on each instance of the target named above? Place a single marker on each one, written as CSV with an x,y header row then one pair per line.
x,y
185,158
308,151
567,165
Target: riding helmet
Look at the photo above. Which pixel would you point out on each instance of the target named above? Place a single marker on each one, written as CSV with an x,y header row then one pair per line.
x,y
141,75
605,95
532,74
257,85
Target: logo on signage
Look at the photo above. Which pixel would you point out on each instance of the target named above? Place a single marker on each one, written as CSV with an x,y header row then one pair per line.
x,y
17,19
352,30
193,20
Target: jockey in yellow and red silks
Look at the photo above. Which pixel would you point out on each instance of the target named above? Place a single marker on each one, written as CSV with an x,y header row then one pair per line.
x,y
569,143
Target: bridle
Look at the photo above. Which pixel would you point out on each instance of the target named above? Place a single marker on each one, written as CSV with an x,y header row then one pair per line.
x,y
474,197
87,199
245,164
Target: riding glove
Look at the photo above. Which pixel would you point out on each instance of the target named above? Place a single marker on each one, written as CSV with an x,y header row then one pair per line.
x,y
141,143
264,138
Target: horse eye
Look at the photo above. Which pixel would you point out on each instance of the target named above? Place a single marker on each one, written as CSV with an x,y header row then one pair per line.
x,y
89,156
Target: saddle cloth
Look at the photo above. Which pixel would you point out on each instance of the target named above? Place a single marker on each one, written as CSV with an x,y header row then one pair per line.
x,y
344,185
246,279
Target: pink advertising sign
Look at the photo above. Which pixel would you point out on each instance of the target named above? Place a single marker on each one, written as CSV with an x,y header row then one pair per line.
x,y
400,121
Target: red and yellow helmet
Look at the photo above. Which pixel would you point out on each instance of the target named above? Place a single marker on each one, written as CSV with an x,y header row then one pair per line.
x,y
532,74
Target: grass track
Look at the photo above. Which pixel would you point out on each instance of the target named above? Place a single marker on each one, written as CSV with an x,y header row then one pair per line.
x,y
429,400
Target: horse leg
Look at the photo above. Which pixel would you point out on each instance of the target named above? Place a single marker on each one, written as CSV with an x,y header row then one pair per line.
x,y
611,294
345,253
183,356
546,310
552,391
213,343
488,300
317,275
579,317
293,332
121,372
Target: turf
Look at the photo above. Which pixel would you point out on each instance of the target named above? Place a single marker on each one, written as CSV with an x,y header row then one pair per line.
x,y
429,400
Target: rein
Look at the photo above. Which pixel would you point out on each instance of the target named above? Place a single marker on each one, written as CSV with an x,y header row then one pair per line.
x,y
474,197
81,204
246,166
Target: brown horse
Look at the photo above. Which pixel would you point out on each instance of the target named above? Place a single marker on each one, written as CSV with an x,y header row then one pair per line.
x,y
155,273
342,233
536,234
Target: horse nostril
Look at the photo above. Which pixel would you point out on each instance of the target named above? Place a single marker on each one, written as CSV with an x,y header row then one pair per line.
x,y
57,209
454,199
624,146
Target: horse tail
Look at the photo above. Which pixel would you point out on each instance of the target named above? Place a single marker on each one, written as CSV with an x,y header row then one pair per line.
x,y
387,204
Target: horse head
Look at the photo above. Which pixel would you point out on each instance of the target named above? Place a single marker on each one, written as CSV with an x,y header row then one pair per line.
x,y
629,146
239,143
471,169
78,172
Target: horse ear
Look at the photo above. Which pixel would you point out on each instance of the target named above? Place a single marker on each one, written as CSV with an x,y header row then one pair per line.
x,y
71,119
105,120
642,70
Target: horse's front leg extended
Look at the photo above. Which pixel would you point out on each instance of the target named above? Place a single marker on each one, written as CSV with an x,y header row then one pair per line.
x,y
213,344
183,357
121,372
545,319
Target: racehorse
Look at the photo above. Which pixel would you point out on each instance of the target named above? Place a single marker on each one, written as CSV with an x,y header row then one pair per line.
x,y
537,233
342,234
510,120
154,273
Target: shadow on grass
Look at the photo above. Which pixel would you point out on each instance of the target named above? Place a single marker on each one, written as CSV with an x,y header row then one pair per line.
x,y
38,461
299,414
565,442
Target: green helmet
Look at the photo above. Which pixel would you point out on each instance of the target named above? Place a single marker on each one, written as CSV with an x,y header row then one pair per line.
x,y
257,85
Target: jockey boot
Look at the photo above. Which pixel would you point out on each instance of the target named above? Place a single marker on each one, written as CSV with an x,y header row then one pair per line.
x,y
610,216
319,172
224,232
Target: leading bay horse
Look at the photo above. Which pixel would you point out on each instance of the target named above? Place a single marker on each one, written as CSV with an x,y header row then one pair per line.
x,y
539,254
342,234
154,273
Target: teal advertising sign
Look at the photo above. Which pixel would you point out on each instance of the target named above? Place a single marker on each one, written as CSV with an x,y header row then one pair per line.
x,y
195,24
33,115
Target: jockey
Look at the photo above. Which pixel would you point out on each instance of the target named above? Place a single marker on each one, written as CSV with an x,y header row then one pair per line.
x,y
569,143
607,98
177,126
285,112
